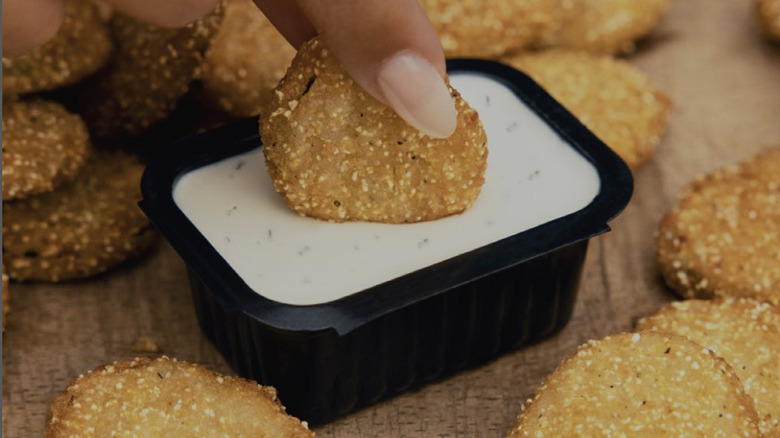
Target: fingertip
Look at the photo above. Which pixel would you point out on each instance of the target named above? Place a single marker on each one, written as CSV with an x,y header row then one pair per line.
x,y
170,13
28,24
413,87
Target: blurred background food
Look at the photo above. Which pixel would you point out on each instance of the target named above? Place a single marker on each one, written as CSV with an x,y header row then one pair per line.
x,y
767,13
245,61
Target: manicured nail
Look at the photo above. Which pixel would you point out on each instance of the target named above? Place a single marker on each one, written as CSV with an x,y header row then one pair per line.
x,y
416,91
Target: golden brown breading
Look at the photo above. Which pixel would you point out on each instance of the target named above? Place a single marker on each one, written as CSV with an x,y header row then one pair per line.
x,y
614,99
168,398
145,344
646,384
150,72
767,13
245,62
723,237
6,298
43,147
81,229
336,153
474,28
603,26
79,48
745,332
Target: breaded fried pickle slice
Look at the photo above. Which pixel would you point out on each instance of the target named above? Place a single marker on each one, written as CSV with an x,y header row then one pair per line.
x,y
44,146
603,26
767,13
647,384
336,153
614,99
722,239
151,70
474,28
6,298
81,229
80,47
168,398
745,332
245,61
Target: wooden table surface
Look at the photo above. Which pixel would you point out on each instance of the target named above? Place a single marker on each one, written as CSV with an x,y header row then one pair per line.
x,y
725,83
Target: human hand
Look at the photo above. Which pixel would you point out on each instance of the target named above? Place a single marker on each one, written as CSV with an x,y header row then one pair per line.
x,y
30,23
389,47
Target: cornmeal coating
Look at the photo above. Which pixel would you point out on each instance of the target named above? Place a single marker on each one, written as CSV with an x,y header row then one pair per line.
x,y
614,99
79,48
81,229
603,26
646,384
767,13
44,146
245,61
6,298
478,29
336,153
744,332
722,239
150,72
168,398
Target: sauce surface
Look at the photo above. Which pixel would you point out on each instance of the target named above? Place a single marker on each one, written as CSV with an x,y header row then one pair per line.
x,y
533,177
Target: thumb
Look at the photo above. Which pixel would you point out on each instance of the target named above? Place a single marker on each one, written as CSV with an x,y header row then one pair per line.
x,y
29,23
388,47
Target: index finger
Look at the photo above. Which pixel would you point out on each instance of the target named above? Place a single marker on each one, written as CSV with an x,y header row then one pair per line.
x,y
29,23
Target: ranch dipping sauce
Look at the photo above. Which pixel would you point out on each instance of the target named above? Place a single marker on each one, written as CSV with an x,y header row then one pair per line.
x,y
532,177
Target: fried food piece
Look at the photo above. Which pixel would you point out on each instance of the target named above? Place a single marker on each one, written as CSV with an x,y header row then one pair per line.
x,y
603,26
722,239
145,344
6,298
150,72
473,28
83,228
44,146
168,398
745,332
81,46
646,384
767,13
245,62
336,153
614,99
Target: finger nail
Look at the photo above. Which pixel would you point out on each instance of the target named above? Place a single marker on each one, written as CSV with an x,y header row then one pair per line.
x,y
416,91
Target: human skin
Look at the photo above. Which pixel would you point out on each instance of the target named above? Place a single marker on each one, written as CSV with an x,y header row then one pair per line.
x,y
389,48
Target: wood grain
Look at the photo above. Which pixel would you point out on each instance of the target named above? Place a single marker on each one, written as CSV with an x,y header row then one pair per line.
x,y
725,83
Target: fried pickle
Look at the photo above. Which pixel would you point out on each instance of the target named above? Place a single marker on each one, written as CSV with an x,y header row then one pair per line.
x,y
336,153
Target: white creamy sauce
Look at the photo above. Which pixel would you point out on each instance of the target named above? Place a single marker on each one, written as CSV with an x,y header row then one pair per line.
x,y
532,177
